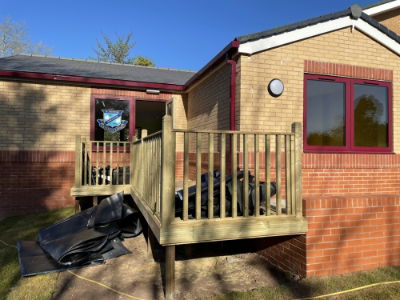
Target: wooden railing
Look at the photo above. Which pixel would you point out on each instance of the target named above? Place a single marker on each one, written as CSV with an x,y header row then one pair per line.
x,y
250,161
100,163
146,173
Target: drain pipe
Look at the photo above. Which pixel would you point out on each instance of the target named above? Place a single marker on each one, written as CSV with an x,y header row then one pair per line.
x,y
232,115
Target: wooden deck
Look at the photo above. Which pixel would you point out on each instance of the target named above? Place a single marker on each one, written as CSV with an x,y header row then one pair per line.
x,y
150,169
147,170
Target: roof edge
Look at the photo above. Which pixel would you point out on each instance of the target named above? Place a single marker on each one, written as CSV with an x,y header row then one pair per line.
x,y
232,46
381,7
90,80
353,17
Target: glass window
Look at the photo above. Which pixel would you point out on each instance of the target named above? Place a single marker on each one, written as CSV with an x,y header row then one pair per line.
x,y
347,115
326,113
371,122
111,120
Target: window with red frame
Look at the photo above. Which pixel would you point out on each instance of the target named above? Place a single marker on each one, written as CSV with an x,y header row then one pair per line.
x,y
346,115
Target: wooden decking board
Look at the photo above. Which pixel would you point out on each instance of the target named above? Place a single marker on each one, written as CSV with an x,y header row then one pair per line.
x,y
99,190
208,230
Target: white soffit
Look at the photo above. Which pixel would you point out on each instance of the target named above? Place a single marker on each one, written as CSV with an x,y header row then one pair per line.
x,y
382,8
318,29
294,35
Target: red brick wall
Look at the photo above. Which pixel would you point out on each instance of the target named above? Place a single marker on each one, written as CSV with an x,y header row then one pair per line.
x,y
352,205
34,181
350,174
347,234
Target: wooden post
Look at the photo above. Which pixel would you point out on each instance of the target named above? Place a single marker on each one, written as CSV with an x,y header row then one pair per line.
x,y
170,272
278,161
210,175
267,174
296,129
186,176
168,172
78,158
198,176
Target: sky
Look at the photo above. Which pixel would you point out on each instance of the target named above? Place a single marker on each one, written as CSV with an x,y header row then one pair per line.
x,y
182,34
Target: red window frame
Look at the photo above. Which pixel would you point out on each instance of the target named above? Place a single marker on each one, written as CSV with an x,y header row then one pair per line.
x,y
349,146
132,111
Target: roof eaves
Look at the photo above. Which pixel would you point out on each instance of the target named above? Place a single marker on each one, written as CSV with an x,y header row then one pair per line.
x,y
377,4
291,27
370,20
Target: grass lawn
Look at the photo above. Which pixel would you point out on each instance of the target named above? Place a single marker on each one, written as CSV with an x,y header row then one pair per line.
x,y
12,285
317,286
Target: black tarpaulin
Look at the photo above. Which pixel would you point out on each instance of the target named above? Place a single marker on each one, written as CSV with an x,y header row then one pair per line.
x,y
89,237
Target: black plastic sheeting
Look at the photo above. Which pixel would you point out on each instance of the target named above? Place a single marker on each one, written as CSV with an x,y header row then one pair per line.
x,y
89,237
228,193
103,175
95,234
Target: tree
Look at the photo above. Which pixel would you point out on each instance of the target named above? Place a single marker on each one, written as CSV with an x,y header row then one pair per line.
x,y
143,61
119,51
15,40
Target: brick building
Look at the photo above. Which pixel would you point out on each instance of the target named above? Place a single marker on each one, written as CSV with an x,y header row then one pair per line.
x,y
341,80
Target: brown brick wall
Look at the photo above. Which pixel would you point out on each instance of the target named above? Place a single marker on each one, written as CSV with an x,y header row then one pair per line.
x,y
260,111
209,100
42,116
350,200
37,140
35,181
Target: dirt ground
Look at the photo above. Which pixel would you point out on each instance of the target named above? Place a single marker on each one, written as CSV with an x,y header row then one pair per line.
x,y
200,270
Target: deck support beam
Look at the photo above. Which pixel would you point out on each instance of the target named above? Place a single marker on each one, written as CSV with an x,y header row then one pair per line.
x,y
170,272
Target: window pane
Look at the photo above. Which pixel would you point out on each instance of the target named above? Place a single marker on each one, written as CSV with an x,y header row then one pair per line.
x,y
102,105
370,116
325,113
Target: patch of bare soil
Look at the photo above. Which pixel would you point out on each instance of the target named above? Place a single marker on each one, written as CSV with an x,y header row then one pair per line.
x,y
200,270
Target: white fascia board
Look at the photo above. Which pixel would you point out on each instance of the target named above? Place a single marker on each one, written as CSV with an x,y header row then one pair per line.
x,y
382,8
378,35
295,35
321,28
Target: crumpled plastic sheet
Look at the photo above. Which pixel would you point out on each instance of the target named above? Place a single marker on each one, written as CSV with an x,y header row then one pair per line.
x,y
89,237
228,197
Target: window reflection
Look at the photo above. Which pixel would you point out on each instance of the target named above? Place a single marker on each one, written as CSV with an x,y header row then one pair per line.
x,y
325,113
370,116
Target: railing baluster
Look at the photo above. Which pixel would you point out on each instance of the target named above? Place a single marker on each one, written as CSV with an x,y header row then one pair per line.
x,y
118,158
97,173
257,174
210,175
223,174
124,164
296,129
186,176
158,175
152,181
246,176
111,162
267,175
78,161
292,179
198,176
234,175
104,163
287,176
278,174
85,171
